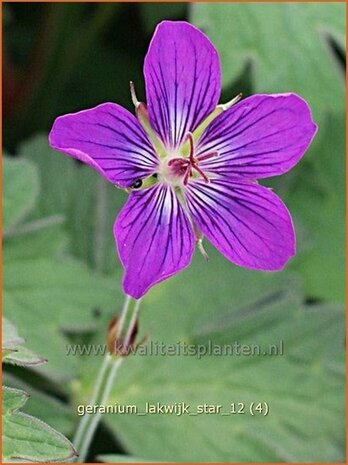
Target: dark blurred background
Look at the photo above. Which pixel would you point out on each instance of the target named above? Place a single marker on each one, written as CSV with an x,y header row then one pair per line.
x,y
60,58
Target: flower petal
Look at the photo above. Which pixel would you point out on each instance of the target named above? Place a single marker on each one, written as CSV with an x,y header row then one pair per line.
x,y
262,136
183,80
246,222
154,238
109,139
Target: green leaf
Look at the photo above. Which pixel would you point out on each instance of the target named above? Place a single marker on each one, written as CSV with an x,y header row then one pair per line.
x,y
48,294
13,399
42,405
285,43
316,198
26,437
13,350
10,337
217,303
20,190
89,217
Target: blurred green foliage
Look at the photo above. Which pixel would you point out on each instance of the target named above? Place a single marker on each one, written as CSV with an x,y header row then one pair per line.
x,y
62,276
289,47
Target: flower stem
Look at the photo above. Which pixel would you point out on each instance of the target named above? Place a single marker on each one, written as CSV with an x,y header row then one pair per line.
x,y
105,379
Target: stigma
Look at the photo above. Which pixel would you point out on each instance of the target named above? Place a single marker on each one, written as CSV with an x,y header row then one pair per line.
x,y
186,167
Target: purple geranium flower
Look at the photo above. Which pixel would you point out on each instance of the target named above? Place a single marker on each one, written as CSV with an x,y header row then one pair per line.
x,y
191,165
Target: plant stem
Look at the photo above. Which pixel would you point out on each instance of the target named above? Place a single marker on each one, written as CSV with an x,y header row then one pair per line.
x,y
105,380
109,369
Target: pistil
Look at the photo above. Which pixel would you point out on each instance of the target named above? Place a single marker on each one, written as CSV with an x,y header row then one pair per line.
x,y
184,166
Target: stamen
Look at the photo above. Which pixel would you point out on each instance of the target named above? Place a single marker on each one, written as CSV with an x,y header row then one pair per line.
x,y
194,161
189,137
178,162
184,166
207,156
204,176
187,175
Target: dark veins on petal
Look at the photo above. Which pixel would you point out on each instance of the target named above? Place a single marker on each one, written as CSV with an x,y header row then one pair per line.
x,y
237,198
